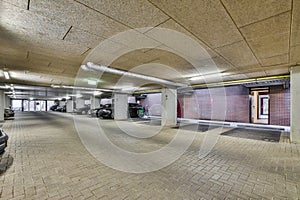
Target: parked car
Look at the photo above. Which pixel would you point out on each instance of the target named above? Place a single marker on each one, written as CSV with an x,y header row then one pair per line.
x,y
82,111
8,113
54,107
134,110
106,111
94,112
3,140
61,108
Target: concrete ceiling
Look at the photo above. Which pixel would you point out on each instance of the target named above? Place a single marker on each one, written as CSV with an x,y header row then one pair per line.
x,y
44,42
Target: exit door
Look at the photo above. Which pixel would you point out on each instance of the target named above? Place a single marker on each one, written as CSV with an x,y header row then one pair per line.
x,y
259,105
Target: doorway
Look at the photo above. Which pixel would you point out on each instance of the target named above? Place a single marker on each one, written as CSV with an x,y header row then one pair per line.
x,y
259,105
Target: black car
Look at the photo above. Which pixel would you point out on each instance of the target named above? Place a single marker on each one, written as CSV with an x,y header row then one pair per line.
x,y
54,107
61,108
8,113
106,111
134,110
95,112
3,141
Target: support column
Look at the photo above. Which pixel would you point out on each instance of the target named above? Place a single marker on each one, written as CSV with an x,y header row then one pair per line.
x,y
2,105
120,104
92,100
169,107
7,101
295,106
79,103
69,106
95,102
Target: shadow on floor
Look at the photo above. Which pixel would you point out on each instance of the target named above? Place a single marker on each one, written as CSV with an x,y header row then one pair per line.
x,y
269,136
152,122
195,127
6,162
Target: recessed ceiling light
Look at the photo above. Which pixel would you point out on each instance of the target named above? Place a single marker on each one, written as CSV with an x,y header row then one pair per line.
x,y
196,78
6,75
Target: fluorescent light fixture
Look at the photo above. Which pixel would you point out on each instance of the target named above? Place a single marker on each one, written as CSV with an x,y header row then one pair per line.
x,y
92,82
196,78
6,75
97,93
55,86
100,68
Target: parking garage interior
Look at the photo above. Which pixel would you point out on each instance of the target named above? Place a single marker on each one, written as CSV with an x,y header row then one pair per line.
x,y
148,99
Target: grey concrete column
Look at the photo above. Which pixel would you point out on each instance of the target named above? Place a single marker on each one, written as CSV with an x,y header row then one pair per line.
x,y
169,107
2,105
79,103
120,104
295,106
70,106
7,101
95,102
92,100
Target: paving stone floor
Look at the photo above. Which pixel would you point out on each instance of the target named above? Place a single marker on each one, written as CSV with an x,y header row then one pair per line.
x,y
45,159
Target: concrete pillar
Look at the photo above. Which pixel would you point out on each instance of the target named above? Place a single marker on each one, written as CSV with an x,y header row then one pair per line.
x,y
79,103
2,105
120,104
295,106
95,102
92,99
169,107
7,101
70,106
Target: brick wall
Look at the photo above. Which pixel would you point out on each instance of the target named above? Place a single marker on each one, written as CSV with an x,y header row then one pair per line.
x,y
279,106
225,103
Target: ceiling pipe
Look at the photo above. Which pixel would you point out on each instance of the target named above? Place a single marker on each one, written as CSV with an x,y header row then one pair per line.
x,y
100,68
81,88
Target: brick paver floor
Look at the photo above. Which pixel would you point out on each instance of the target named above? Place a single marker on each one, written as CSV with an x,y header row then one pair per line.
x,y
45,159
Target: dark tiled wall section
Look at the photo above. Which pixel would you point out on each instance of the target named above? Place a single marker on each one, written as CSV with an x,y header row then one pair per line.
x,y
224,103
279,106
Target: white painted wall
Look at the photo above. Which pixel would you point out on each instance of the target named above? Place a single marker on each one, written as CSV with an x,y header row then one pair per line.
x,y
106,101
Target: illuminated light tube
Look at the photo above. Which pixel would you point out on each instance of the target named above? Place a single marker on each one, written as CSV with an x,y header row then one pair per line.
x,y
6,75
94,67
